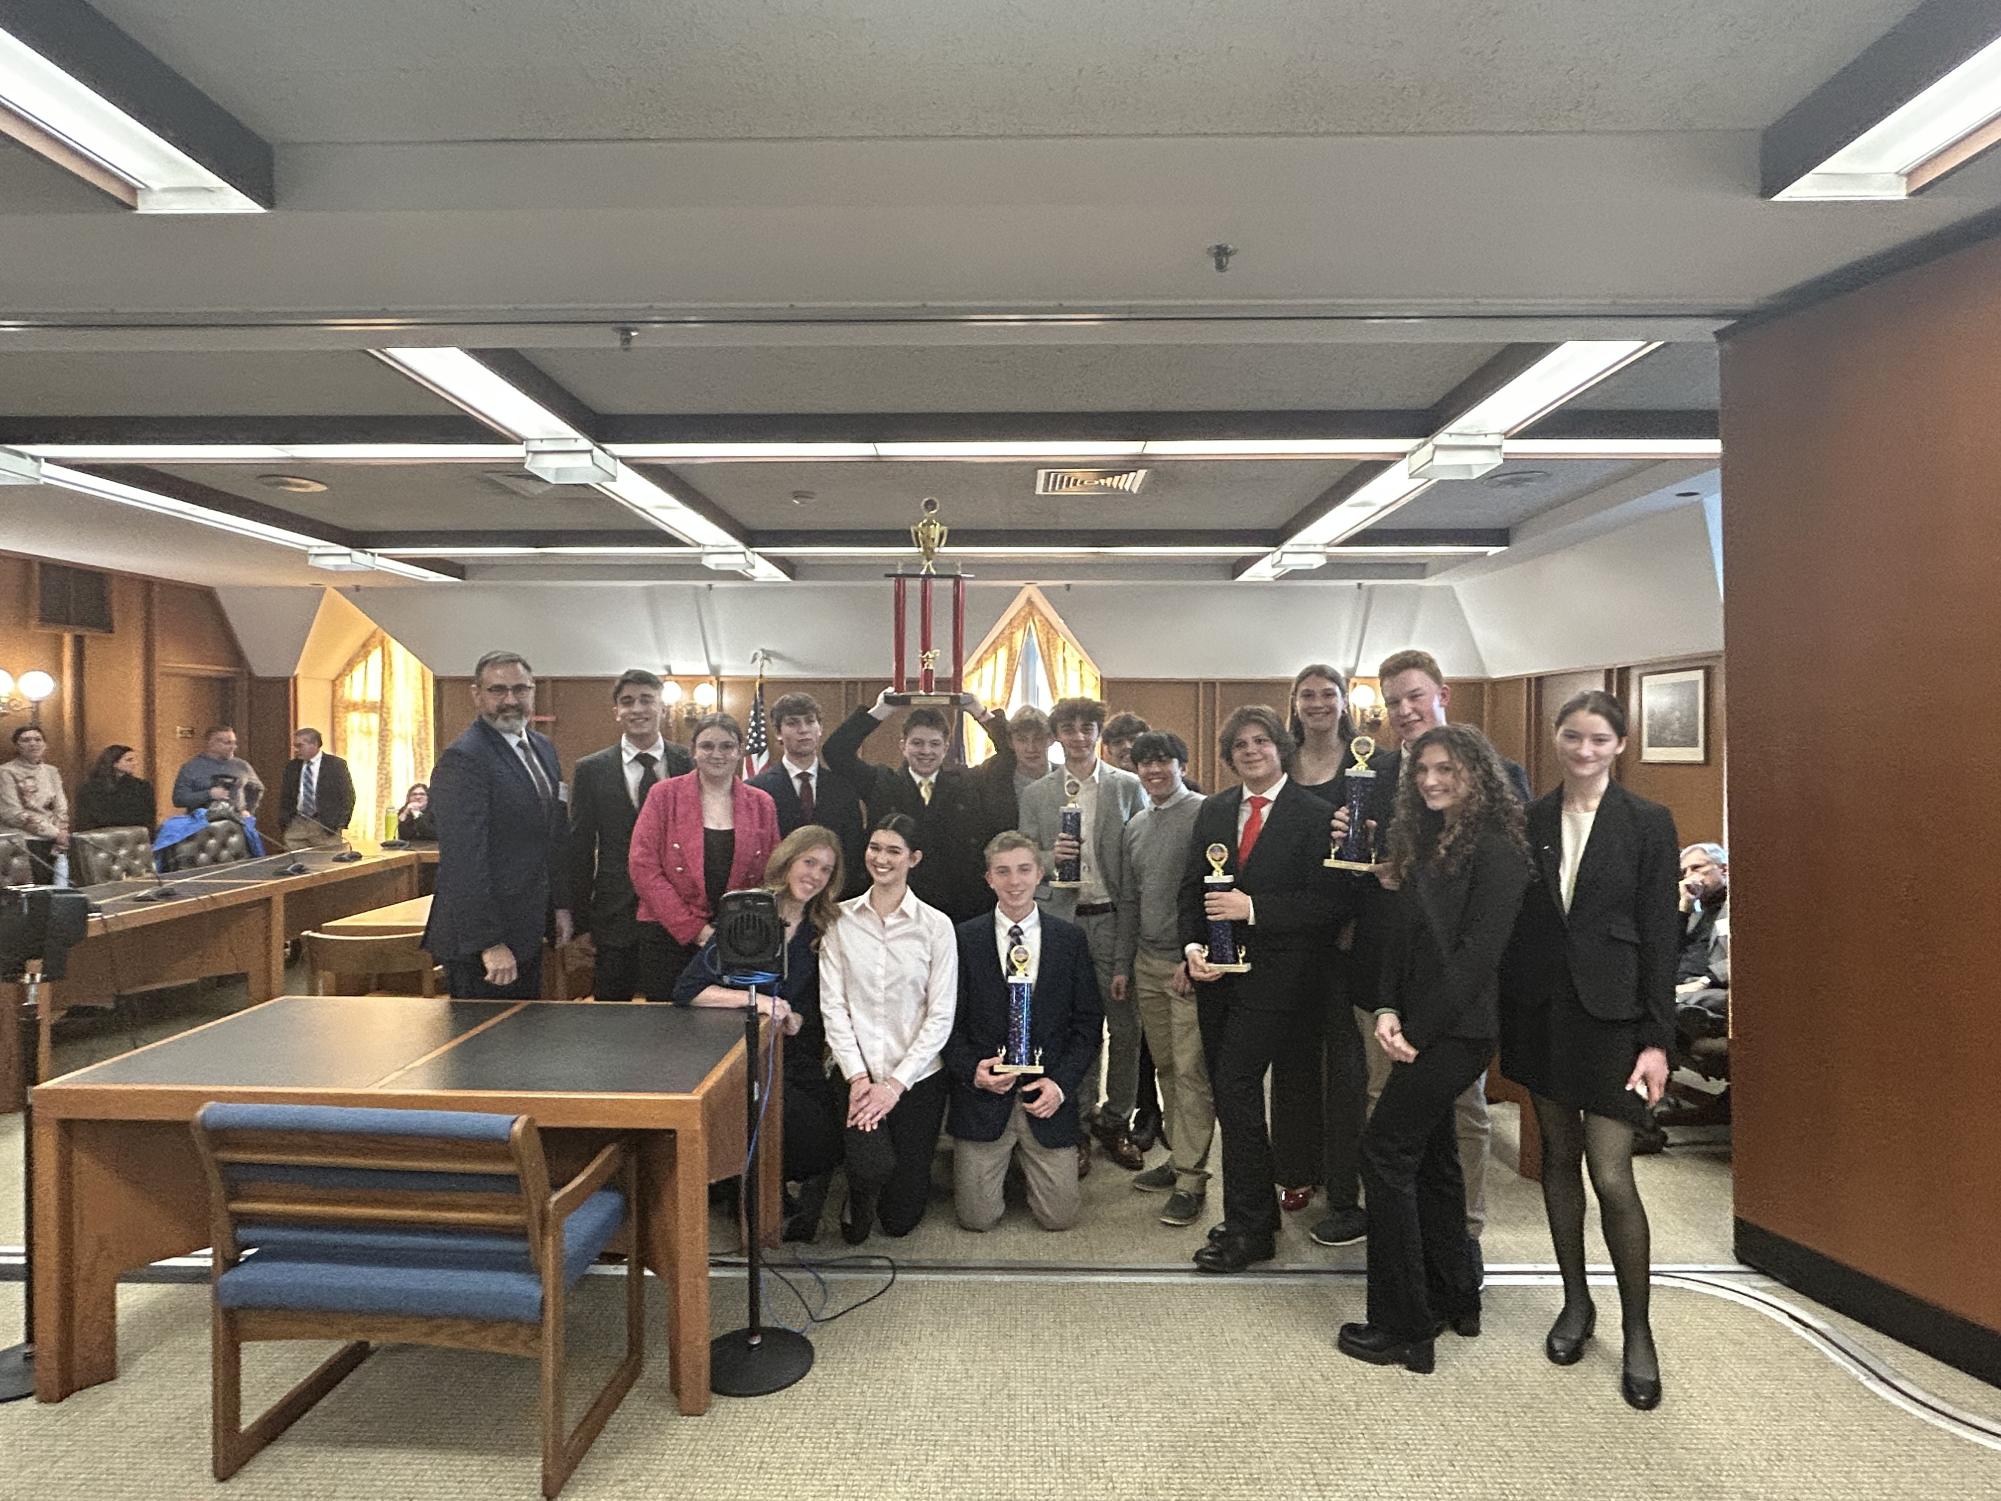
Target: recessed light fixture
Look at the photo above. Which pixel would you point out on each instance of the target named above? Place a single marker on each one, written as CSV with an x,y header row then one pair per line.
x,y
291,484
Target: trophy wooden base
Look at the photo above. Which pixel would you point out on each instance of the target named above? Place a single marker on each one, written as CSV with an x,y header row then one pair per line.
x,y
1241,967
923,700
1065,885
1018,1068
1361,866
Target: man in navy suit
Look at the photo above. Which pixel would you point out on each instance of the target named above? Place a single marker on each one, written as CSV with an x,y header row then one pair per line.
x,y
498,796
997,1118
808,790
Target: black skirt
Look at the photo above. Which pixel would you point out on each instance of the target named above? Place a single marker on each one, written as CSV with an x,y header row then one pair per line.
x,y
1562,1052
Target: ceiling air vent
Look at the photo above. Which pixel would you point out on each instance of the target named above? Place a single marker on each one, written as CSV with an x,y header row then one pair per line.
x,y
1088,481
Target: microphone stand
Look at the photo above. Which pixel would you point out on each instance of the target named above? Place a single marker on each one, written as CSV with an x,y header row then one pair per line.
x,y
755,1361
17,1362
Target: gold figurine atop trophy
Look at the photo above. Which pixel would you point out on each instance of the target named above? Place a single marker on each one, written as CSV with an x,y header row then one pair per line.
x,y
928,685
929,535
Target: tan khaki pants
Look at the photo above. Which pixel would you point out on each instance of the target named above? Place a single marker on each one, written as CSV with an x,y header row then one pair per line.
x,y
1175,1038
979,1173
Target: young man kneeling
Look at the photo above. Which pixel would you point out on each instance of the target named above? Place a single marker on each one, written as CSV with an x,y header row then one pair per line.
x,y
997,1115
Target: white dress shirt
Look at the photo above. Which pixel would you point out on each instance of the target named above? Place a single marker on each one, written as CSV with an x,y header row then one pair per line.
x,y
889,988
634,771
1031,939
1091,890
1270,794
1577,824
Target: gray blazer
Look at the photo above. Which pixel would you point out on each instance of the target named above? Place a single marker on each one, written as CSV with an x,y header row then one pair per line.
x,y
1120,796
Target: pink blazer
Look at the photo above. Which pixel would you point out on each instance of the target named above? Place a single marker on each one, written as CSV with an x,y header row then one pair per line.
x,y
665,856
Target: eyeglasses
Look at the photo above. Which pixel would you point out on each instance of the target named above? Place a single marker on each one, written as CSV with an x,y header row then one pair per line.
x,y
509,690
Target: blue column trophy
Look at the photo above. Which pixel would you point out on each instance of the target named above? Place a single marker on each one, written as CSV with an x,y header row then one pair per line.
x,y
1357,850
1070,820
1225,953
1020,1056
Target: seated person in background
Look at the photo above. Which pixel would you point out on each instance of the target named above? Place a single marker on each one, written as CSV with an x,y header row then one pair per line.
x,y
804,872
218,766
1029,733
114,795
1121,730
999,1118
32,801
413,819
1702,985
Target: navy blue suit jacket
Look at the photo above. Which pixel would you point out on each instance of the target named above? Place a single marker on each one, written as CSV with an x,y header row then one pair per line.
x,y
1066,1021
498,847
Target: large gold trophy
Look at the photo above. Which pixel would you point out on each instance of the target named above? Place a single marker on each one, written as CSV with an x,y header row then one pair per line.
x,y
929,686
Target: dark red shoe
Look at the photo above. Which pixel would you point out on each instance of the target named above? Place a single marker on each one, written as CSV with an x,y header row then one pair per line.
x,y
1292,1200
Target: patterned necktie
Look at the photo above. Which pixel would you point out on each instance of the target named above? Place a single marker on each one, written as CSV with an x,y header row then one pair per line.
x,y
1248,840
535,773
924,790
806,795
647,775
308,800
1013,943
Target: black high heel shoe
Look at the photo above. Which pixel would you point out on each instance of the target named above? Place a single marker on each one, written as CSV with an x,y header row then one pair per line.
x,y
1564,1350
1642,1393
1380,1347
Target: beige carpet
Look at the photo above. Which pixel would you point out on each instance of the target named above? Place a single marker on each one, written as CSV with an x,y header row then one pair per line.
x,y
1018,1388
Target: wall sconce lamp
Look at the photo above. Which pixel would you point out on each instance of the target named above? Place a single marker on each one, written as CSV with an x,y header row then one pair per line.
x,y
26,696
1365,706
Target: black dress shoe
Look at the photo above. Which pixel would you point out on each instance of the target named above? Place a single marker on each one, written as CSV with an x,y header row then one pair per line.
x,y
1220,1229
1565,1350
1146,1130
1465,1324
1234,1252
1640,1392
1380,1347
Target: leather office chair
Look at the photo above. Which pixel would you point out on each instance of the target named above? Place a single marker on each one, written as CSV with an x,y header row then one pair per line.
x,y
16,869
221,843
110,855
431,1227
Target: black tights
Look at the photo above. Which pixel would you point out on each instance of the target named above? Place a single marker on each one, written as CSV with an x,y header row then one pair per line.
x,y
1573,1140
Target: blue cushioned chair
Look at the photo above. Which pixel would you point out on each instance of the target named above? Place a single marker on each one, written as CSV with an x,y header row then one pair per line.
x,y
430,1227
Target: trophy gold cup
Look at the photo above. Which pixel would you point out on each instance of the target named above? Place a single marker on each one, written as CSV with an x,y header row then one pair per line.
x,y
1020,1056
1355,852
1070,820
1224,952
928,686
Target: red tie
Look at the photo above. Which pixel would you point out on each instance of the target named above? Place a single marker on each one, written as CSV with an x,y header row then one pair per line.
x,y
1248,840
806,794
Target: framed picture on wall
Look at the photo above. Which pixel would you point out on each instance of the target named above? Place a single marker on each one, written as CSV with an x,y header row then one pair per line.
x,y
1674,725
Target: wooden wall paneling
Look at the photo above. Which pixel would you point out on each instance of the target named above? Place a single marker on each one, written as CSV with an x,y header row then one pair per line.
x,y
1506,720
1858,457
115,676
266,732
192,631
1468,702
578,718
1693,793
1165,703
24,648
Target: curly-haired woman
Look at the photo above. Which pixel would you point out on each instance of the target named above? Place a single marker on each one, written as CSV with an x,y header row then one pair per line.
x,y
1459,863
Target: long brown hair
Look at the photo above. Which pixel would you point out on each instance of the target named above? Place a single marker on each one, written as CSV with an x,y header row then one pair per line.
x,y
825,908
1344,727
1419,836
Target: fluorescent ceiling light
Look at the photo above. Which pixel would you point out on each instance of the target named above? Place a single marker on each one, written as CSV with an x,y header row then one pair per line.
x,y
1276,448
1917,143
264,453
1565,372
696,453
163,178
1382,494
641,495
222,521
1456,456
1037,448
1613,448
470,385
561,462
19,468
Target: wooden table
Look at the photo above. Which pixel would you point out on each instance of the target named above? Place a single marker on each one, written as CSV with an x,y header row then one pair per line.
x,y
118,1184
566,972
225,920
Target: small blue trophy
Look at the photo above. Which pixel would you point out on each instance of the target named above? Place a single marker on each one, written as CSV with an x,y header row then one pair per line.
x,y
1225,953
1020,1056
1355,852
1070,820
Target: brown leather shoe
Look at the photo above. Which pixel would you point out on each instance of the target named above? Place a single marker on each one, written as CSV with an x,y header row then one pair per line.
x,y
1084,1158
1122,1150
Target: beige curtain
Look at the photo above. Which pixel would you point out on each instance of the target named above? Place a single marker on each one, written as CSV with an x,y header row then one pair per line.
x,y
382,728
1069,668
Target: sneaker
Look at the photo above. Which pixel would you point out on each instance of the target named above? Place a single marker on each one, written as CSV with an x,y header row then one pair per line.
x,y
1341,1228
1181,1208
1156,1180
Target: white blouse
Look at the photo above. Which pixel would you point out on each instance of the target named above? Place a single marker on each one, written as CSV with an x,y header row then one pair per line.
x,y
889,988
1576,834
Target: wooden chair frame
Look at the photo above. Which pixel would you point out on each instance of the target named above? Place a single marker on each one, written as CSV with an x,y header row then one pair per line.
x,y
534,1210
370,957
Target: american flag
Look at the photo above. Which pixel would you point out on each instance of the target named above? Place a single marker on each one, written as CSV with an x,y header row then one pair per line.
x,y
757,744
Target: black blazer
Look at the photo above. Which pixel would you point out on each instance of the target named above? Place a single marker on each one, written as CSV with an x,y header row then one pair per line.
x,y
837,805
1066,1020
968,807
597,882
1618,944
499,849
1449,931
333,798
124,803
1300,904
